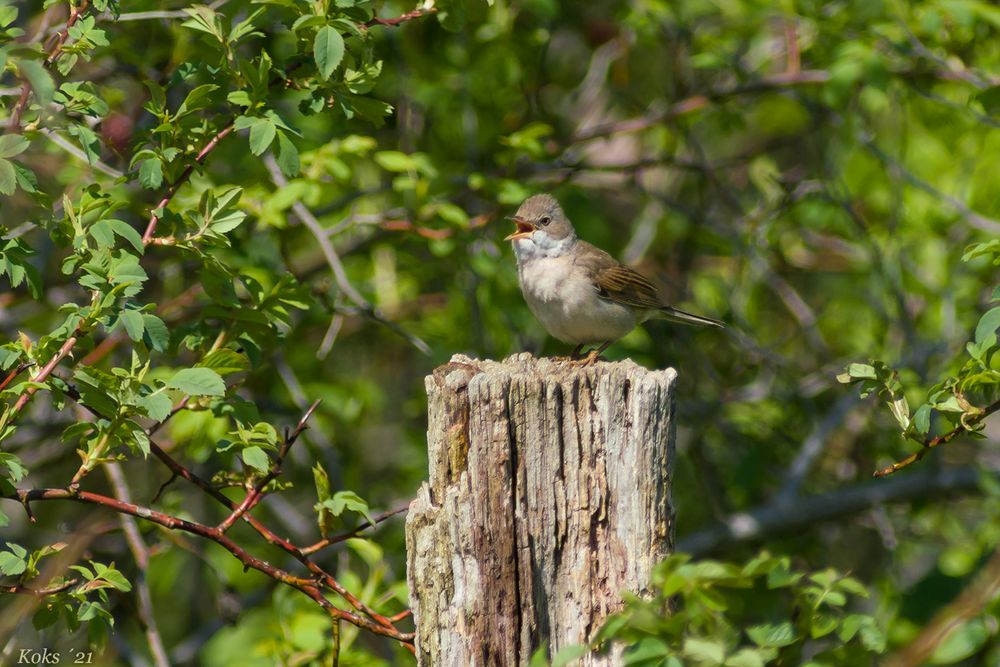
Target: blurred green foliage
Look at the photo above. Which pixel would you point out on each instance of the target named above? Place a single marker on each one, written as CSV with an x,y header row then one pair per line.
x,y
811,172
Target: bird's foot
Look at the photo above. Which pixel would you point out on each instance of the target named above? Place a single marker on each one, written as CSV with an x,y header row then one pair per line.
x,y
588,359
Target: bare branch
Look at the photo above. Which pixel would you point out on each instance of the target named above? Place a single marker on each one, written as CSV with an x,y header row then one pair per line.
x,y
802,512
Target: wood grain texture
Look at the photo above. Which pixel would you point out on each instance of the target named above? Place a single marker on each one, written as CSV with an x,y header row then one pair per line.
x,y
548,496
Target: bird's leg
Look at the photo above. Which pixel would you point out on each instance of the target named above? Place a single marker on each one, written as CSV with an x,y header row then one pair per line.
x,y
575,354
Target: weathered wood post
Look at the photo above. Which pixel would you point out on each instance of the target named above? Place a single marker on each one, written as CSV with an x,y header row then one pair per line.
x,y
548,496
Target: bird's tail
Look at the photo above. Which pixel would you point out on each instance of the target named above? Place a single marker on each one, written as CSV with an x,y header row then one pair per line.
x,y
677,315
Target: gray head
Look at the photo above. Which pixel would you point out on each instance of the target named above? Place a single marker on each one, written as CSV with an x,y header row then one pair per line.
x,y
541,219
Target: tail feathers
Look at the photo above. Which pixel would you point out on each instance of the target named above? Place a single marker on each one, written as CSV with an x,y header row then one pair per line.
x,y
677,315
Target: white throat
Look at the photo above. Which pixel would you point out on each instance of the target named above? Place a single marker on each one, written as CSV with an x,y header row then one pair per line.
x,y
541,246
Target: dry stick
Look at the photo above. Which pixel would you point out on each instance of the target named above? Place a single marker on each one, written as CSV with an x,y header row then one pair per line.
x,y
931,443
697,102
970,603
140,552
54,48
308,586
257,492
154,218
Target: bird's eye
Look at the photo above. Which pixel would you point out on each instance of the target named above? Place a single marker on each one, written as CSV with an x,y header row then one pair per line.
x,y
545,221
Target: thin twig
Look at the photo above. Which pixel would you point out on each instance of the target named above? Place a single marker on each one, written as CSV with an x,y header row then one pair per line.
x,y
311,223
377,519
698,102
62,143
927,444
408,16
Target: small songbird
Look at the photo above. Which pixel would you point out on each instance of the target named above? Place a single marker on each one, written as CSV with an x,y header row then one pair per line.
x,y
581,294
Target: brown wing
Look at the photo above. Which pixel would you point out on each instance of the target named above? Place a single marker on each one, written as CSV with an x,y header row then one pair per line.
x,y
616,282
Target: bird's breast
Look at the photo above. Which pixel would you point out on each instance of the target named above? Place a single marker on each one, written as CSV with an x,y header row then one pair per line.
x,y
564,300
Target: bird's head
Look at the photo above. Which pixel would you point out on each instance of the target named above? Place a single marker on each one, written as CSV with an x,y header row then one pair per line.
x,y
541,220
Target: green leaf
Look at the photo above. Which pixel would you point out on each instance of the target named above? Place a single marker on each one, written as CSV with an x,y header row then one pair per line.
x,y
328,50
288,156
156,406
14,561
256,458
705,650
395,161
261,135
960,643
8,178
225,361
151,173
134,326
347,500
127,232
746,657
988,325
198,382
157,334
772,635
41,81
13,144
922,419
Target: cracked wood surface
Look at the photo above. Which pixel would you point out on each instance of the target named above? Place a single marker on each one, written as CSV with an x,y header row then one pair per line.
x,y
548,496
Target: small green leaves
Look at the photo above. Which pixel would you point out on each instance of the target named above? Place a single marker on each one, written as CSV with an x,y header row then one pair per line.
x,y
198,382
328,50
346,500
204,19
705,596
14,263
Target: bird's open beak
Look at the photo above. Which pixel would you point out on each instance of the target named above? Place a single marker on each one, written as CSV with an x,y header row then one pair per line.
x,y
523,231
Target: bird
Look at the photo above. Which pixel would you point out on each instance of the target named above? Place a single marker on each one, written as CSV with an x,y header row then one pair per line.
x,y
581,294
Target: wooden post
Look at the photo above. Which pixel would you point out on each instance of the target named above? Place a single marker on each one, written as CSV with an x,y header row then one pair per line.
x,y
548,497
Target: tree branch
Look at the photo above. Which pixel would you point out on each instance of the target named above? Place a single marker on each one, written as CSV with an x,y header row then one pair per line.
x,y
802,512
929,443
698,102
257,492
311,586
970,603
53,48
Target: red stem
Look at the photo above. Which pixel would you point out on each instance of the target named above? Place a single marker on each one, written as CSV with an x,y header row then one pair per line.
x,y
154,219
